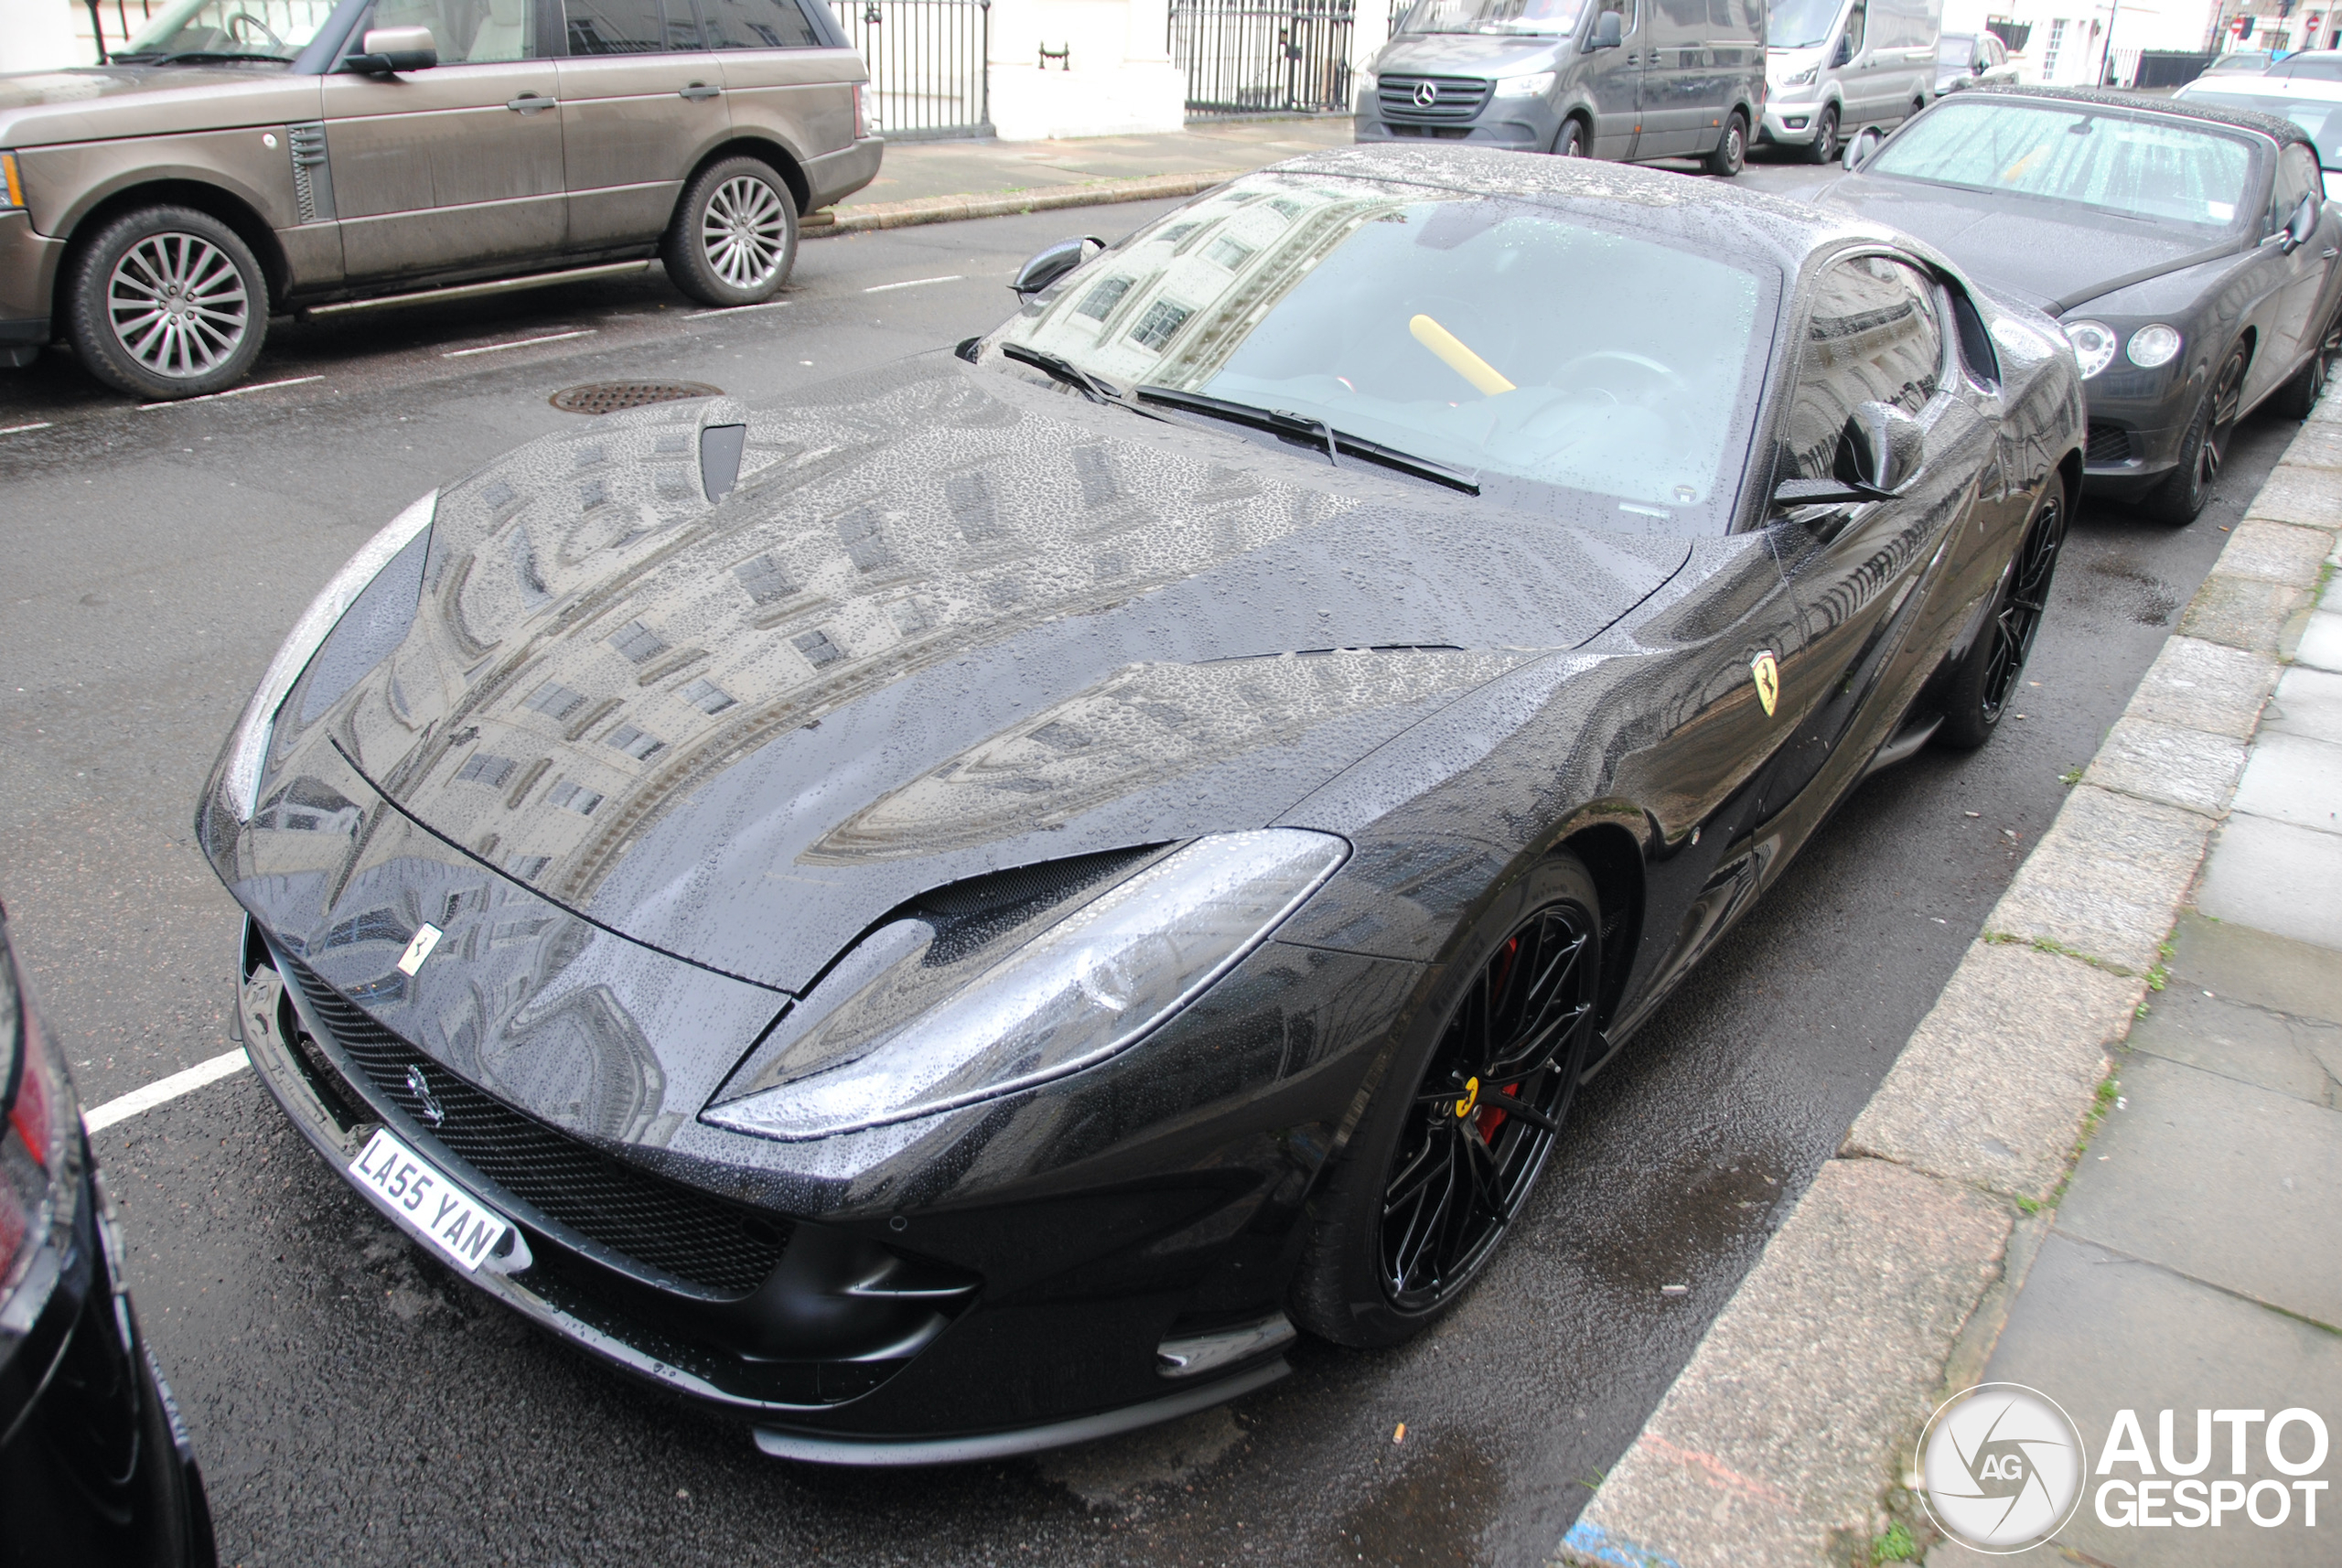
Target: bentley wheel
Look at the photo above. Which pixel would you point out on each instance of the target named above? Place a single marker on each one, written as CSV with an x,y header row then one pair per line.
x,y
1731,153
166,302
1444,1160
2298,397
2201,451
733,237
1825,136
1986,679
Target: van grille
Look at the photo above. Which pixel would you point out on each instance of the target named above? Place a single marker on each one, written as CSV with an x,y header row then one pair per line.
x,y
1452,97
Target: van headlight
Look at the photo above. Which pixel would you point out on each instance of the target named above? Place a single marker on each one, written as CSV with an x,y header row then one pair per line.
x,y
1534,85
1800,77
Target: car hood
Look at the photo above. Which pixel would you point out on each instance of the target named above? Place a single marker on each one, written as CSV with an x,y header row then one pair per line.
x,y
1467,54
949,622
2050,254
41,107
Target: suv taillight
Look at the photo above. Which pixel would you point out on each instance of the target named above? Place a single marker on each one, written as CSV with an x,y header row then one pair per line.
x,y
36,1134
866,112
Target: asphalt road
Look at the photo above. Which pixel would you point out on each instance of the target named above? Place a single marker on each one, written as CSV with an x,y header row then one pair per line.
x,y
352,1403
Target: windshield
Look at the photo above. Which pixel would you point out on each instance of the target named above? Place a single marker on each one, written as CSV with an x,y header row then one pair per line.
x,y
2141,168
1541,16
1494,336
2321,117
1801,24
1952,49
257,29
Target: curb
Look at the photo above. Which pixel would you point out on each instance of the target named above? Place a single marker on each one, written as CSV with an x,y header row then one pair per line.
x,y
864,217
1887,1287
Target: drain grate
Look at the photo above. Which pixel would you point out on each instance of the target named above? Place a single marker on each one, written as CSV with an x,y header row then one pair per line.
x,y
608,397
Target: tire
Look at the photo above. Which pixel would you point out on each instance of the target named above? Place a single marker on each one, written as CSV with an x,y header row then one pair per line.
x,y
1985,679
1825,136
1731,154
1570,141
2181,497
2299,396
733,237
1539,947
166,302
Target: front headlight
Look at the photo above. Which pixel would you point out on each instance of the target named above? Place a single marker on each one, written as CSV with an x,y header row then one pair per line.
x,y
1368,83
2094,345
2153,346
1800,77
1534,85
1088,986
248,744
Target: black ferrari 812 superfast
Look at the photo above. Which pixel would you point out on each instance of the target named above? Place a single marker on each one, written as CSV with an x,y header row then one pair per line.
x,y
958,911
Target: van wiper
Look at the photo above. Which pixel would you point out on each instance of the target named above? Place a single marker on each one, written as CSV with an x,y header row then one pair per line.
x,y
1287,424
1060,368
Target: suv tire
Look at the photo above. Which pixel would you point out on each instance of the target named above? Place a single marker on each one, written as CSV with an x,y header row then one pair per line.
x,y
166,302
734,238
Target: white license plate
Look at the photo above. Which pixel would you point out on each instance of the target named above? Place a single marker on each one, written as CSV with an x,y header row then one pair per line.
x,y
463,1228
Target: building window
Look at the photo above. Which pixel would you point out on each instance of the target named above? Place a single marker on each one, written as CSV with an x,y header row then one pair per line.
x,y
2049,50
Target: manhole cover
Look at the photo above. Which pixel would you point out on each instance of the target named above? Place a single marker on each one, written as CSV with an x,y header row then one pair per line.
x,y
608,397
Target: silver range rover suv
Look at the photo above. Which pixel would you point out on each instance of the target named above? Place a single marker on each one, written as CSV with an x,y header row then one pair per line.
x,y
244,157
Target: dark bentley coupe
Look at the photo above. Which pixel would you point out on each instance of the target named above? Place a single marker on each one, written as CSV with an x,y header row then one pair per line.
x,y
954,913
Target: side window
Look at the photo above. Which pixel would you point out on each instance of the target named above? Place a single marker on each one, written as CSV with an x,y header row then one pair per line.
x,y
467,31
1628,11
2298,177
1875,336
1854,21
630,26
756,25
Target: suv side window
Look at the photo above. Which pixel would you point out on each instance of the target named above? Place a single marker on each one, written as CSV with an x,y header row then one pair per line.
x,y
1875,336
2298,177
631,27
756,25
468,32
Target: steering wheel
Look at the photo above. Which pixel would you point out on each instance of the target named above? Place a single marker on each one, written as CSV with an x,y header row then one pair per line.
x,y
1622,357
274,42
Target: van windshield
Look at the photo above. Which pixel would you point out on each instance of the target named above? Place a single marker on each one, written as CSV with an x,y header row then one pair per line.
x,y
1801,24
228,29
1553,18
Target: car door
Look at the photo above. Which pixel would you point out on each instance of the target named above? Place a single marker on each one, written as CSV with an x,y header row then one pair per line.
x,y
1614,81
1858,78
1861,574
1673,48
780,76
2307,292
641,100
454,168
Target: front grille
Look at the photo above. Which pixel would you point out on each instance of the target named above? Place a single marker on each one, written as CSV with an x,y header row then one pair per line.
x,y
664,1227
1452,97
2107,445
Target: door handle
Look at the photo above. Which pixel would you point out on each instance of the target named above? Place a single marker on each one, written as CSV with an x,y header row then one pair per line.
x,y
698,90
2328,253
530,103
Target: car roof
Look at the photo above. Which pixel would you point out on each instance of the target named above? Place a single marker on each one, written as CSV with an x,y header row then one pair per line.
x,y
2286,87
2276,128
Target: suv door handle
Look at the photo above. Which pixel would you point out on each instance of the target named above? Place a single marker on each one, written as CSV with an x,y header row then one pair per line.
x,y
699,89
530,103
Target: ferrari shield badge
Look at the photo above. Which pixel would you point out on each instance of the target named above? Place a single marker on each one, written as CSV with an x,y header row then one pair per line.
x,y
426,936
1768,681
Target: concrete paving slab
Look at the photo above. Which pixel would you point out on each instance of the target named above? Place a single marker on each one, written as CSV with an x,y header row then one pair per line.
x,y
2276,876
2242,612
2294,778
2206,685
1994,1084
2303,496
2321,644
2189,1024
2238,963
2278,552
912,170
2307,701
2168,763
2100,1332
2223,1181
1816,1377
2320,445
2107,878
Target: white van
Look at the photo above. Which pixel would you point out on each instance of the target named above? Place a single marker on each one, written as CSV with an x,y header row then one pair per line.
x,y
1832,66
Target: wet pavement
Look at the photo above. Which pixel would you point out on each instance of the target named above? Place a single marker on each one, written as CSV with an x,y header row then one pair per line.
x,y
353,1403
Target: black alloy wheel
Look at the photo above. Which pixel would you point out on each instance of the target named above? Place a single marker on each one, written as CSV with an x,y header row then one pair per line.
x,y
1986,679
1571,143
2298,396
2201,451
1447,1155
1732,153
1825,136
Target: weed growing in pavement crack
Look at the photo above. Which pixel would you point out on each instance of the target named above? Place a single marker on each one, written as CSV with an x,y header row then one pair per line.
x,y
2052,945
1894,1546
2070,777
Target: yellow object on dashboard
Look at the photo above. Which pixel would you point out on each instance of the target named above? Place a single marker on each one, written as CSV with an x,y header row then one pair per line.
x,y
1459,358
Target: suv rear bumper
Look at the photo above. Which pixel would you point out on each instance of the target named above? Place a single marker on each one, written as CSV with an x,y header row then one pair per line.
x,y
834,176
29,262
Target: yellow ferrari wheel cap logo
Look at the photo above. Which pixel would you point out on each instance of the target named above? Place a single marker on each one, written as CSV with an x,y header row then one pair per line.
x,y
1768,681
1465,1106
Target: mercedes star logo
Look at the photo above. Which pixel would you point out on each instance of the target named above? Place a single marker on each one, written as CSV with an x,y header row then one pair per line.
x,y
1425,95
419,1087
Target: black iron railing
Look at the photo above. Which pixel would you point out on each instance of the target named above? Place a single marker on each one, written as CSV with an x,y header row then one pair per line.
x,y
927,64
1263,57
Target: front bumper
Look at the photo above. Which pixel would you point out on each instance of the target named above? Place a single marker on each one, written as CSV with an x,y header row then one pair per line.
x,y
29,264
2138,421
1790,124
1524,124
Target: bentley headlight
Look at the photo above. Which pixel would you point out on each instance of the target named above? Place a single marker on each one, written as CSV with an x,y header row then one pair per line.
x,y
2153,346
1534,85
2094,345
381,611
885,1046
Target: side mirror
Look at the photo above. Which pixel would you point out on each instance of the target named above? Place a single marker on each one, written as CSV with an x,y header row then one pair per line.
x,y
2303,226
1880,449
1978,69
1048,266
1606,34
1845,53
1860,148
388,50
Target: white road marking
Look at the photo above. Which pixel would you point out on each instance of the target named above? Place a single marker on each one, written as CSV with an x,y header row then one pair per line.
x,y
20,429
522,343
232,392
913,282
163,1090
724,310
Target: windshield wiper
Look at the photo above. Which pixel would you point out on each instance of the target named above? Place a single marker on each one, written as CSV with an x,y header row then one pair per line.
x,y
1058,368
1284,423
155,57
